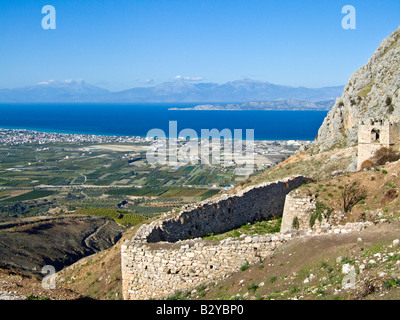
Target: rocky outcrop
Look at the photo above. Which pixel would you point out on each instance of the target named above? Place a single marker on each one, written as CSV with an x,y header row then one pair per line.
x,y
372,92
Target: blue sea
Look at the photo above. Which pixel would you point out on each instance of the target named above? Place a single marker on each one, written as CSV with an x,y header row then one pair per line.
x,y
138,119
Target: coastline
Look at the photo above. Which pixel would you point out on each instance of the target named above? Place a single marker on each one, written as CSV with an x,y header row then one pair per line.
x,y
138,120
61,133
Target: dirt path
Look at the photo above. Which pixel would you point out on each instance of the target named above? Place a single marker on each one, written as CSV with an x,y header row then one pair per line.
x,y
24,221
93,235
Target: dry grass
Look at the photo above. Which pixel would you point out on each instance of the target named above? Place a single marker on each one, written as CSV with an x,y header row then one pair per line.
x,y
283,275
317,167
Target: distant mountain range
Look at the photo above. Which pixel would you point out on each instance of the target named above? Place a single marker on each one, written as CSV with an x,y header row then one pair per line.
x,y
174,91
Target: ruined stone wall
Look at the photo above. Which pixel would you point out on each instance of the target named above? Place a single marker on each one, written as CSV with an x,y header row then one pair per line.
x,y
299,207
158,270
366,152
228,212
389,136
159,260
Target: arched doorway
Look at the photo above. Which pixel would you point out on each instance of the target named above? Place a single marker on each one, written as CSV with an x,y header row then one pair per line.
x,y
375,135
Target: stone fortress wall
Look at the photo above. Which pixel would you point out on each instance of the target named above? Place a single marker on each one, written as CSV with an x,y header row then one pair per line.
x,y
168,255
299,207
374,134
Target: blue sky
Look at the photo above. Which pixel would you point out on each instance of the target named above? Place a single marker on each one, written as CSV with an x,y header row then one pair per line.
x,y
127,43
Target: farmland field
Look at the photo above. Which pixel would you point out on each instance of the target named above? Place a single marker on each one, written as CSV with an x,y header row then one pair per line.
x,y
35,194
55,178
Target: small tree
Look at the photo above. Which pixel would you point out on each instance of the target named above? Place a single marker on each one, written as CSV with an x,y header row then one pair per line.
x,y
367,164
389,104
351,194
384,155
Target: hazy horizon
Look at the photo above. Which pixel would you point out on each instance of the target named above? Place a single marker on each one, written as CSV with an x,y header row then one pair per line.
x,y
152,85
124,44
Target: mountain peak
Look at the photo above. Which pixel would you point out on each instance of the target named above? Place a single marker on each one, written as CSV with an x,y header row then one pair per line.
x,y
177,90
372,92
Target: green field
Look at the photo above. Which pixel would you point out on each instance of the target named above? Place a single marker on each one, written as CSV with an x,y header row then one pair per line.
x,y
32,195
92,176
121,217
164,192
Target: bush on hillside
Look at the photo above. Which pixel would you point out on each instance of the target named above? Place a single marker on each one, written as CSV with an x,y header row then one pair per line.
x,y
367,164
350,195
384,155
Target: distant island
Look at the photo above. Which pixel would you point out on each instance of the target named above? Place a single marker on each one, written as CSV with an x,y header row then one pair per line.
x,y
291,105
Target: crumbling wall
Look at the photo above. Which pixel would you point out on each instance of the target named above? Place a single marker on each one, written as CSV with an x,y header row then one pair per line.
x,y
156,271
297,211
168,255
303,211
228,212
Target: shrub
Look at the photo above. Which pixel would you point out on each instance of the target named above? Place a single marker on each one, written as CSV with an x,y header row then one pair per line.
x,y
391,283
384,155
253,287
389,196
245,266
294,290
321,211
296,223
351,195
367,164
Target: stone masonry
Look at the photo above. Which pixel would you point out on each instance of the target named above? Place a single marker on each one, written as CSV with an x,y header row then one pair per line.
x,y
299,207
168,254
375,134
156,271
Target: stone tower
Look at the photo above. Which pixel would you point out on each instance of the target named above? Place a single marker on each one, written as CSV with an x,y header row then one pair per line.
x,y
375,134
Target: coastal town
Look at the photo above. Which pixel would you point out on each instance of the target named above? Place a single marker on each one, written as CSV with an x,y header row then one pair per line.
x,y
12,137
23,136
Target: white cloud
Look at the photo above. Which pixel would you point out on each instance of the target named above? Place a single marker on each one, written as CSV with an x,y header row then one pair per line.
x,y
61,82
189,78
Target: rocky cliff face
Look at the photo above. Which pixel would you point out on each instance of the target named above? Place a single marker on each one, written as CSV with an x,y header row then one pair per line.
x,y
373,91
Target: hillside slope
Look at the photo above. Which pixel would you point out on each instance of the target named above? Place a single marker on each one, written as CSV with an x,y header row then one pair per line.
x,y
312,267
371,92
29,244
